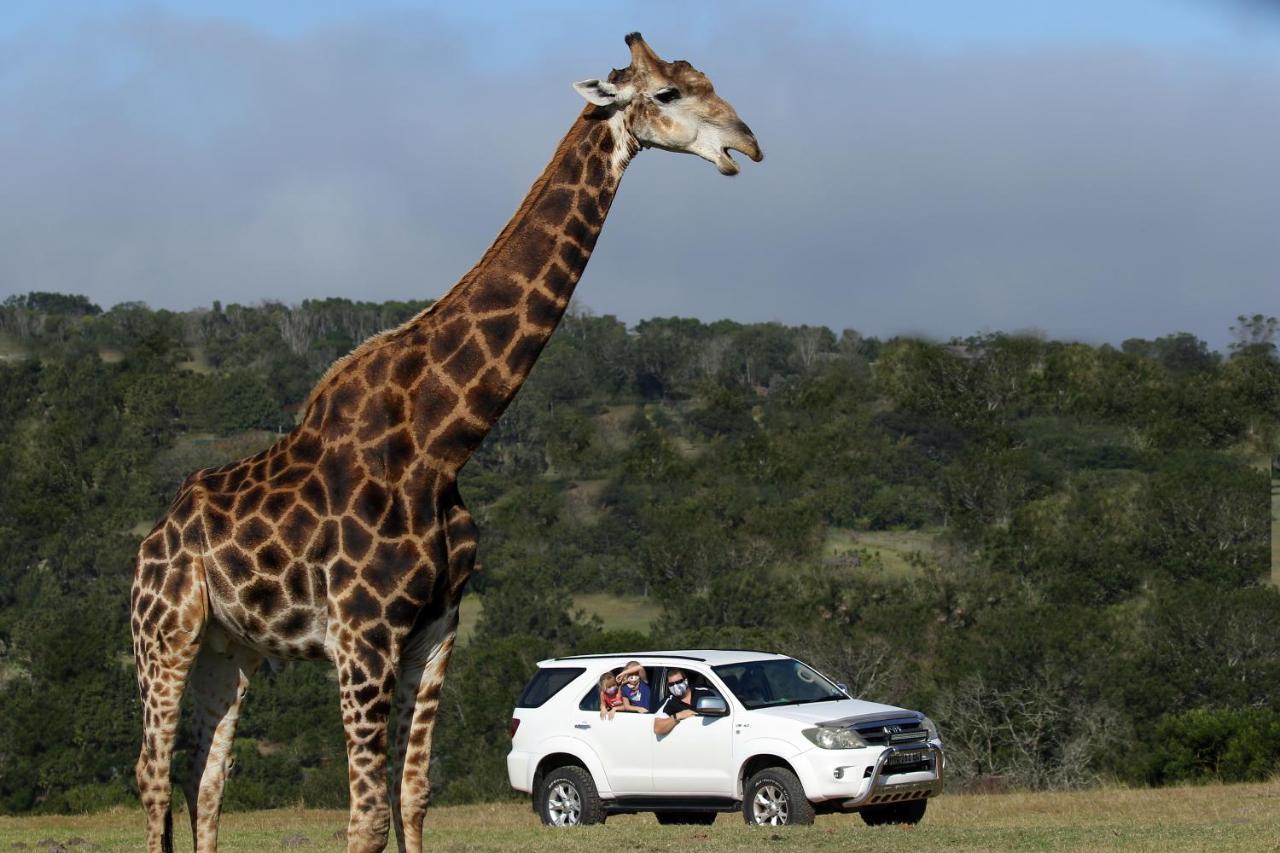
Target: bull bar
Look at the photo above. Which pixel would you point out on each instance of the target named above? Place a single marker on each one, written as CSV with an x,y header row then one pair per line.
x,y
879,791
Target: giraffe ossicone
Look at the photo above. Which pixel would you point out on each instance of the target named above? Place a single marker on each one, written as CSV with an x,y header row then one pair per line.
x,y
347,539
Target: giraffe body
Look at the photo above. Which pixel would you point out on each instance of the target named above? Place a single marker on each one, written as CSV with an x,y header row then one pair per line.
x,y
348,539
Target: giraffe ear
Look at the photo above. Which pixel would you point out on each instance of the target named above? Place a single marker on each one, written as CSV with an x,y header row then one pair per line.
x,y
599,92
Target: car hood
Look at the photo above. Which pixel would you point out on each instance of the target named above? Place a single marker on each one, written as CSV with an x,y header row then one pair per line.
x,y
829,712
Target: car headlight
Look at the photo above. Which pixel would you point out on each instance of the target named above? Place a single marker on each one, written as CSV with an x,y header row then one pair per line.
x,y
931,728
826,737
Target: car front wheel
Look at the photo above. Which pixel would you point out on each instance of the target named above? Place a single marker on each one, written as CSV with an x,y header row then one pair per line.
x,y
568,797
775,797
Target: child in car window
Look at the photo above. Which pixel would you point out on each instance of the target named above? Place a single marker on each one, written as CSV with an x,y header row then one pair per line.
x,y
610,696
635,688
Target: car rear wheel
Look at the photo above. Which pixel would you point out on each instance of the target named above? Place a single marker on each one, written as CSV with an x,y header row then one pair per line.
x,y
908,812
695,818
568,797
775,797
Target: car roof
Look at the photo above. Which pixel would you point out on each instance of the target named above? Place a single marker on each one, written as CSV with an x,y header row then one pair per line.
x,y
713,657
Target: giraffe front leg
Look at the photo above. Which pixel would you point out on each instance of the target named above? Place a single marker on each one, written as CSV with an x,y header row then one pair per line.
x,y
366,677
417,701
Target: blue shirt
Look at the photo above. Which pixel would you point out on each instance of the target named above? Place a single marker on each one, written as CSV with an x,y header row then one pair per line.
x,y
639,696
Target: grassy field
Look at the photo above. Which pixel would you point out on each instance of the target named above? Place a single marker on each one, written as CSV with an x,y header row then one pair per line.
x,y
893,547
618,612
1234,817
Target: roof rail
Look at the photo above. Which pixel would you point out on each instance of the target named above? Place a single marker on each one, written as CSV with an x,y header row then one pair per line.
x,y
589,657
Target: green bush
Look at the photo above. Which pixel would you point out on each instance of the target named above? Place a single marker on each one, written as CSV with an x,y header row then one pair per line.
x,y
1219,745
91,798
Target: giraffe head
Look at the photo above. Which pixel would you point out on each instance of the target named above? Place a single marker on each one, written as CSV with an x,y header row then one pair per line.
x,y
672,105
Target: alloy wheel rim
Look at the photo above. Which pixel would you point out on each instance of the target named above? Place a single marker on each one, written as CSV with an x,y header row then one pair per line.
x,y
769,806
564,805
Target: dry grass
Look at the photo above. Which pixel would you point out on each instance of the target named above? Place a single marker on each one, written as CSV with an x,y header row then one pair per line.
x,y
1215,817
612,424
582,500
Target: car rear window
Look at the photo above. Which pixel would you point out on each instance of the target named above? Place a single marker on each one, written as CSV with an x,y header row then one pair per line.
x,y
547,683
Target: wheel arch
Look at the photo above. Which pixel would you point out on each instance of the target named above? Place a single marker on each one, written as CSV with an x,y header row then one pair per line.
x,y
561,755
758,762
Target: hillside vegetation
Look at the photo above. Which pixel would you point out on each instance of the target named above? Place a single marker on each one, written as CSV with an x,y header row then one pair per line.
x,y
1061,551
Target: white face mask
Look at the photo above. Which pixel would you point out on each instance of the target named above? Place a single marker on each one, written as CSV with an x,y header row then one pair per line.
x,y
679,688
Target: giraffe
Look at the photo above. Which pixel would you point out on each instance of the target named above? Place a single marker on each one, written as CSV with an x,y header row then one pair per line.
x,y
347,540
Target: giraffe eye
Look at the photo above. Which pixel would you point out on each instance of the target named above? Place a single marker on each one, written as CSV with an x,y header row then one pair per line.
x,y
667,95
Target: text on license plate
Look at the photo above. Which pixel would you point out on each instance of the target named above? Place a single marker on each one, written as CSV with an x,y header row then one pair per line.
x,y
910,757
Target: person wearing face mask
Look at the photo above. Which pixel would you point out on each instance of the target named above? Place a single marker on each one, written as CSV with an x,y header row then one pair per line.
x,y
679,705
635,688
610,696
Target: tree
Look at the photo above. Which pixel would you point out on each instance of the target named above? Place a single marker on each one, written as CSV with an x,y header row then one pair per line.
x,y
1255,334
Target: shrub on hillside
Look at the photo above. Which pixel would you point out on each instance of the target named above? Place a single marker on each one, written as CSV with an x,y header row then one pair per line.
x,y
1219,745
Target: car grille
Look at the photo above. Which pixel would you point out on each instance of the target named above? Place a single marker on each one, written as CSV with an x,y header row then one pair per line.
x,y
891,732
914,765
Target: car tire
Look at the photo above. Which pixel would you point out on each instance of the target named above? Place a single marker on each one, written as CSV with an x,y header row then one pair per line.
x,y
910,812
568,797
775,797
690,817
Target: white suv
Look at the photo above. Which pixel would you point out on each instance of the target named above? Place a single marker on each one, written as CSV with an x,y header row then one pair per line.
x,y
773,737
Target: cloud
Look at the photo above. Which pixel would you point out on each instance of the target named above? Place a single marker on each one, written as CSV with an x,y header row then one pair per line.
x,y
1098,192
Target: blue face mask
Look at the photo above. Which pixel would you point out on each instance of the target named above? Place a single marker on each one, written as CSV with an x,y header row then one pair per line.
x,y
678,689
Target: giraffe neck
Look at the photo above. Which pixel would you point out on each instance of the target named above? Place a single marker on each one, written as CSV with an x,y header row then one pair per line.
x,y
541,253
488,330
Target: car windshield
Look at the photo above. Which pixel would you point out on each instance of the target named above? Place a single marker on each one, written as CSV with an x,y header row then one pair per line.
x,y
767,683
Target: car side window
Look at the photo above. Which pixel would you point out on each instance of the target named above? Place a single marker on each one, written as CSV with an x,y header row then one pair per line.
x,y
657,687
658,683
590,702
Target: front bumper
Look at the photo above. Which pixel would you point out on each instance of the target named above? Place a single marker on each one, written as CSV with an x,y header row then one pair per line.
x,y
838,776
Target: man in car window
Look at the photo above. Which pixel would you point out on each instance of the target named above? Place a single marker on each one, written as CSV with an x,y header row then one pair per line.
x,y
679,705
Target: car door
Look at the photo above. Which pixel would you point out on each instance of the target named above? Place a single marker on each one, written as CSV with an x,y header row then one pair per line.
x,y
624,745
696,757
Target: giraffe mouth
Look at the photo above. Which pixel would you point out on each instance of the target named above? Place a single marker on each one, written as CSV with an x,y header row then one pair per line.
x,y
725,162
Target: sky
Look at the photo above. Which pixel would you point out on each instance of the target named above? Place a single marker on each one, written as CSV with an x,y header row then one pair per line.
x,y
1093,170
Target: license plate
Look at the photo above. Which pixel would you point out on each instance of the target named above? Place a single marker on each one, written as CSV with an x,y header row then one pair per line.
x,y
915,756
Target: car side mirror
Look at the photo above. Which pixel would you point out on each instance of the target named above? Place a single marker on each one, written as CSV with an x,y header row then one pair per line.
x,y
842,687
711,706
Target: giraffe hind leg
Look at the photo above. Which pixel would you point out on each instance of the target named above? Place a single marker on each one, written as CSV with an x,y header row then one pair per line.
x,y
169,610
218,685
425,660
417,700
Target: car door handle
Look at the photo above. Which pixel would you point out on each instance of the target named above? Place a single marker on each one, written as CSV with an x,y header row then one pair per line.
x,y
582,725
